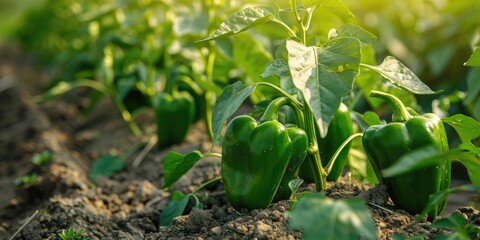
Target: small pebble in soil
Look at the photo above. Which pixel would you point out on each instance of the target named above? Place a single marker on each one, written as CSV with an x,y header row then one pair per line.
x,y
262,230
216,230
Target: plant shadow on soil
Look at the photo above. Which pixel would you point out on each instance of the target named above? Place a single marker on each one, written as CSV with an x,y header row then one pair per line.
x,y
127,205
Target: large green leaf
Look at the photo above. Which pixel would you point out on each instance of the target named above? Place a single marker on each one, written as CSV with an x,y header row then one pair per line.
x,y
474,59
324,75
467,128
227,104
318,216
243,20
354,31
419,158
175,165
429,155
472,163
279,68
336,6
400,76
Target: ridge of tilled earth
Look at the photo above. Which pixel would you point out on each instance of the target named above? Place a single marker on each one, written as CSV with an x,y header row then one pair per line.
x,y
130,209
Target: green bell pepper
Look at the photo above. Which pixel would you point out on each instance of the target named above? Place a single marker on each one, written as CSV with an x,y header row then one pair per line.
x,y
259,159
340,128
385,144
299,140
174,114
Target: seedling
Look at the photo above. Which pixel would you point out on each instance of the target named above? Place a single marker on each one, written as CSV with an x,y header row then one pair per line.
x,y
43,158
71,234
27,180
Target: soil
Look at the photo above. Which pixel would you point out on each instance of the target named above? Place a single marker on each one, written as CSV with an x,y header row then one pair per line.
x,y
127,205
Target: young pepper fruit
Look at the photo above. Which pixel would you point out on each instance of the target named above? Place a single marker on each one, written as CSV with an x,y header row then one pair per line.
x,y
259,159
340,128
174,113
385,144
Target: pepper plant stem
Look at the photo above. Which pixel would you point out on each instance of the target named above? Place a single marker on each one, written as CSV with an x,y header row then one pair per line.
x,y
293,100
206,184
127,117
313,156
331,162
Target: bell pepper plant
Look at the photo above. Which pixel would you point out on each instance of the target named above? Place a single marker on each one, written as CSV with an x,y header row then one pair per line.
x,y
258,157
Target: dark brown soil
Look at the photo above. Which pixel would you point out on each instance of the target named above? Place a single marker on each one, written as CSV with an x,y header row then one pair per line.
x,y
128,204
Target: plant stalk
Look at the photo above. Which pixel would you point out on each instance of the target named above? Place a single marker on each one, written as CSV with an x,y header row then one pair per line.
x,y
206,184
331,162
313,156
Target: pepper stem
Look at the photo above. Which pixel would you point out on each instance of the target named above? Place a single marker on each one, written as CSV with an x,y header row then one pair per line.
x,y
271,113
400,112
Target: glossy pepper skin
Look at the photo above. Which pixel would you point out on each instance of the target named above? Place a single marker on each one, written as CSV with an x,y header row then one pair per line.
x,y
174,115
340,128
299,140
385,144
255,157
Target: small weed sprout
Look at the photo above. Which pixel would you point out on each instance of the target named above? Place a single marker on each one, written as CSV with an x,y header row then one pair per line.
x,y
71,234
30,179
42,159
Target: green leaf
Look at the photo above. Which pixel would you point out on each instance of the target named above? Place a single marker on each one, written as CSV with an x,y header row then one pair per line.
x,y
473,85
359,165
175,208
43,158
294,185
336,6
253,62
227,104
442,196
64,87
175,165
353,31
432,203
279,67
371,118
400,76
451,222
367,79
243,20
439,58
106,165
472,164
324,75
419,158
468,146
124,85
398,236
429,155
189,19
339,219
474,59
467,128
